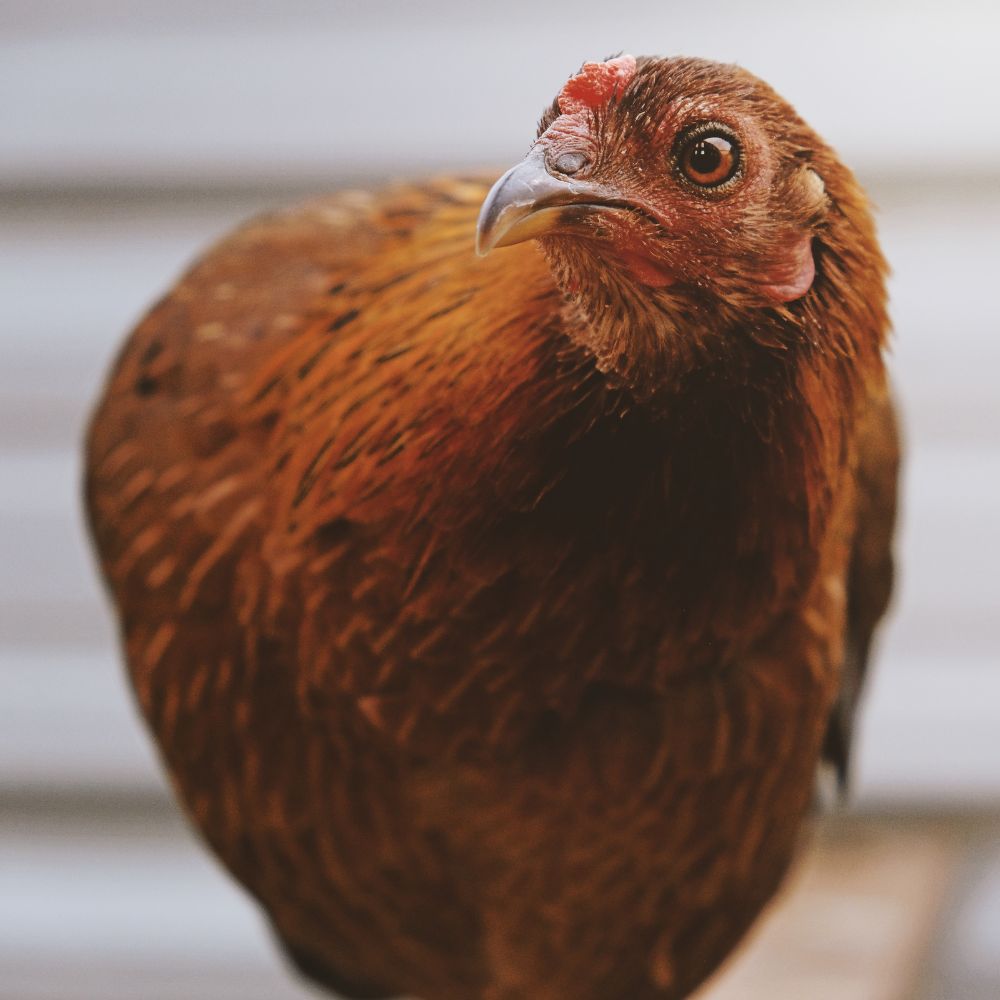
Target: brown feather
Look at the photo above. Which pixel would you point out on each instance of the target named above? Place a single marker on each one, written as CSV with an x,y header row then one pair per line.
x,y
490,667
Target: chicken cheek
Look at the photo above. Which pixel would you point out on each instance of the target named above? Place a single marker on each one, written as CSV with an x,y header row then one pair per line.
x,y
793,273
790,269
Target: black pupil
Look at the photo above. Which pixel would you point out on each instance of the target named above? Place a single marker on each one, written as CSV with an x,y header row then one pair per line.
x,y
705,157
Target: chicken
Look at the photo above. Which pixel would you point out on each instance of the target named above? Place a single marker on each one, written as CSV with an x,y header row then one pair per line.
x,y
492,613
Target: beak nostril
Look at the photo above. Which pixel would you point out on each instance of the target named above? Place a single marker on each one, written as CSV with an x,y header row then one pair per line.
x,y
569,163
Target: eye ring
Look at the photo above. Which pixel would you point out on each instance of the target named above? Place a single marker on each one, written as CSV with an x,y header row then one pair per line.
x,y
709,156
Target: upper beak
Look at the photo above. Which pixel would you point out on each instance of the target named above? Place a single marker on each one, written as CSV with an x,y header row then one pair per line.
x,y
528,201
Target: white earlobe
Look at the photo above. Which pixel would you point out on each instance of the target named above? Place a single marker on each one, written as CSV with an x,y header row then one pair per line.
x,y
815,186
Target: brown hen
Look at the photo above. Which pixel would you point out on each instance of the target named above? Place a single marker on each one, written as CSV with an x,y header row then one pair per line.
x,y
491,615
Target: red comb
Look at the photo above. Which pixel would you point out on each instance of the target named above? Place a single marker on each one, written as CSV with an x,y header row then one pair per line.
x,y
595,84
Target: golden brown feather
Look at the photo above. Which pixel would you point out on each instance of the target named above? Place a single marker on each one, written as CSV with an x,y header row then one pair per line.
x,y
490,614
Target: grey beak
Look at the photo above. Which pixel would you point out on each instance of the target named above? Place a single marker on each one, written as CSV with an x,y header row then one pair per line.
x,y
528,202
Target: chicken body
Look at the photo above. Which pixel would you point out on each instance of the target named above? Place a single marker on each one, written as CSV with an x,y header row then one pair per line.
x,y
494,661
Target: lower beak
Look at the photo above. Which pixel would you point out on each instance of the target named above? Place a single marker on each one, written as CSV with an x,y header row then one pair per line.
x,y
528,202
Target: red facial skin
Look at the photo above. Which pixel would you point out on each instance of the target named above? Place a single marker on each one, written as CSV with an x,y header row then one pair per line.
x,y
596,84
677,232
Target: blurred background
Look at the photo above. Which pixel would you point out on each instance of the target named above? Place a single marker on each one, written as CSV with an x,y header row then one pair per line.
x,y
132,133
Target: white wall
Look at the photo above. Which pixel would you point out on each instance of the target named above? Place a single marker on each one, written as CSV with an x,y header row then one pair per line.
x,y
131,133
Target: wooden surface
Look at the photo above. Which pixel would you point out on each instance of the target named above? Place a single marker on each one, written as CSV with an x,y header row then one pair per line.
x,y
855,921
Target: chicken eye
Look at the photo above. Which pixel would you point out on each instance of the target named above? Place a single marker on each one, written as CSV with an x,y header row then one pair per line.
x,y
709,158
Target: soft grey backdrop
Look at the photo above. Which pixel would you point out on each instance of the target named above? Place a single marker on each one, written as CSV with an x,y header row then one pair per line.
x,y
131,134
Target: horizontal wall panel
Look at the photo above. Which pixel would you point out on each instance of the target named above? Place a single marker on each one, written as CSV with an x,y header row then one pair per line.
x,y
76,272
67,721
161,93
949,546
928,735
